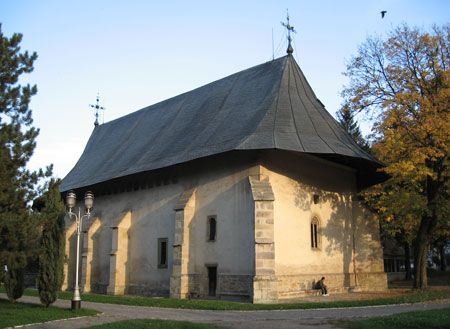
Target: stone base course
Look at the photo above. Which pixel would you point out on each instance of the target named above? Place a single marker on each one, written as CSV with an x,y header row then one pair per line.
x,y
148,290
294,286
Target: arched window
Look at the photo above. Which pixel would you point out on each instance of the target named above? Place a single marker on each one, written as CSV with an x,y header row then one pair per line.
x,y
212,225
315,234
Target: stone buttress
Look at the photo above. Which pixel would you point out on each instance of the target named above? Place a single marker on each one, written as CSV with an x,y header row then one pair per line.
x,y
184,212
119,256
264,279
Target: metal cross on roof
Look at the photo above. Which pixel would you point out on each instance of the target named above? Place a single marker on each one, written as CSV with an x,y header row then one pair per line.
x,y
97,108
289,29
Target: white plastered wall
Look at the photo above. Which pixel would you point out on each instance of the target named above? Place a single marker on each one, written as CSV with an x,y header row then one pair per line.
x,y
345,226
221,190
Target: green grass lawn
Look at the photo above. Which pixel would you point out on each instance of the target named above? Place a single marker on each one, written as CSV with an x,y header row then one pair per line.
x,y
439,278
433,319
412,297
22,313
155,324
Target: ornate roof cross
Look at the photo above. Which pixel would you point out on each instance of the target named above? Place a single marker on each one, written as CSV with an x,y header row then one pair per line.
x,y
289,29
97,108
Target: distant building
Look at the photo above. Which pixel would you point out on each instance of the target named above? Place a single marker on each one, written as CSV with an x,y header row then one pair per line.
x,y
243,188
394,259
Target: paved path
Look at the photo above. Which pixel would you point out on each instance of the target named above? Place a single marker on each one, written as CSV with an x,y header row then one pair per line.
x,y
284,319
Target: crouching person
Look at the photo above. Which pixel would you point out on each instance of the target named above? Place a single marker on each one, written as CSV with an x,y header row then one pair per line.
x,y
321,285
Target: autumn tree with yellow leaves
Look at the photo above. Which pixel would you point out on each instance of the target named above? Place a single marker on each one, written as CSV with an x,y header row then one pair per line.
x,y
402,83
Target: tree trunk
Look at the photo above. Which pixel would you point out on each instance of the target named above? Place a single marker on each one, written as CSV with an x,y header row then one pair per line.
x,y
420,264
427,225
443,265
408,273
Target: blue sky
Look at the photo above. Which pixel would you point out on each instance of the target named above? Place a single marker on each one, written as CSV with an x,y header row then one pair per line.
x,y
136,53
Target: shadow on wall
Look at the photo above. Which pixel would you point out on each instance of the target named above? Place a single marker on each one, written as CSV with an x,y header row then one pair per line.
x,y
95,285
70,259
231,240
347,231
143,276
129,257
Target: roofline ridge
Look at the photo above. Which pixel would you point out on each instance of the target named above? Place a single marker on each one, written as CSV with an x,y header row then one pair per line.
x,y
275,101
154,105
359,149
278,97
308,115
297,132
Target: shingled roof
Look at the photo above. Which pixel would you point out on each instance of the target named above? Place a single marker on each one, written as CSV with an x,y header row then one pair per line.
x,y
269,106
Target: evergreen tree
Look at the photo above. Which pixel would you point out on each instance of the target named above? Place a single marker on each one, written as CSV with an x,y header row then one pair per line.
x,y
346,119
14,278
17,143
50,209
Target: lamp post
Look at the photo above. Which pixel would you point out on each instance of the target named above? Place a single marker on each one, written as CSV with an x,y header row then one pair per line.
x,y
71,200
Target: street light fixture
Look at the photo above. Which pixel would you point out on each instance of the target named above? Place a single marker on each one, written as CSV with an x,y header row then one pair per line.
x,y
71,200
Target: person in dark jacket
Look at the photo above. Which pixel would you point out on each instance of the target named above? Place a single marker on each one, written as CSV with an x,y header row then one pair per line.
x,y
321,285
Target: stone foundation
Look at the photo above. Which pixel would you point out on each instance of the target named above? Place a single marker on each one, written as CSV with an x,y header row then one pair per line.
x,y
261,289
295,286
99,288
265,289
375,281
229,286
234,285
156,290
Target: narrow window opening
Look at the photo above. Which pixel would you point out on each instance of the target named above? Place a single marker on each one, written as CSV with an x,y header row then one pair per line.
x,y
212,228
315,233
162,253
316,198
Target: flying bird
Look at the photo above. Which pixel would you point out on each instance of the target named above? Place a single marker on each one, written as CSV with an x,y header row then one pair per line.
x,y
383,12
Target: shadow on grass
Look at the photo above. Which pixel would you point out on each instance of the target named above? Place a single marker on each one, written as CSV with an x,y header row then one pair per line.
x,y
435,278
13,314
431,319
155,324
408,297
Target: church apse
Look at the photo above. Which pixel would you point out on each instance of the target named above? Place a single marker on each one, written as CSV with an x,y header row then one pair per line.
x,y
316,195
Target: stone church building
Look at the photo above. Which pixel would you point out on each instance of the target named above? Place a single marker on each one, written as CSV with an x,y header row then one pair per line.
x,y
245,188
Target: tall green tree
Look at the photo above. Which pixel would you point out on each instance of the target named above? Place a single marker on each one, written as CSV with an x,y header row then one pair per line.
x,y
50,210
402,82
399,208
346,118
17,143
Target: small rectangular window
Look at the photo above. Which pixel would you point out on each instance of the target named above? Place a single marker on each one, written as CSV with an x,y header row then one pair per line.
x,y
162,253
212,228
